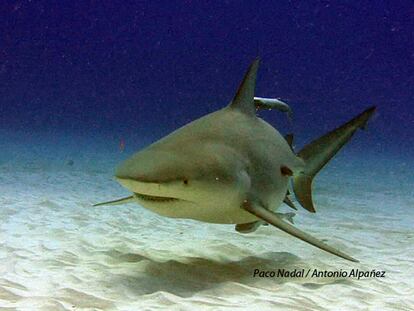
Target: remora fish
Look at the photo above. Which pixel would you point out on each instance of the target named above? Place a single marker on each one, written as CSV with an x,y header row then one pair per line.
x,y
231,167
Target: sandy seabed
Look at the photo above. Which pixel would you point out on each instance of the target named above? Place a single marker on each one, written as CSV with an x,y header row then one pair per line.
x,y
57,252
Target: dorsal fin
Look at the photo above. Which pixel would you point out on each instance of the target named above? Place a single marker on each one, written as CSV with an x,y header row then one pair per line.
x,y
244,98
289,140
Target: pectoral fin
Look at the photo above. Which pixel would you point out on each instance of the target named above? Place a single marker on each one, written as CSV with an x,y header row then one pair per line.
x,y
270,217
248,227
117,202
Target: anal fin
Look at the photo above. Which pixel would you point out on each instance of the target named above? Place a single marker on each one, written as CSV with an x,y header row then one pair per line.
x,y
249,227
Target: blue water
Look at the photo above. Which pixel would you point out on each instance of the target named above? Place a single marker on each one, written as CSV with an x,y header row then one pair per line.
x,y
78,77
145,67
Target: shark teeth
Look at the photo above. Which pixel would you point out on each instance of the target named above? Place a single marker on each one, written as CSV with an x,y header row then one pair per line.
x,y
147,197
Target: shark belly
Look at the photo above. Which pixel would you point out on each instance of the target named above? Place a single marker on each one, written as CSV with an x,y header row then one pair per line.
x,y
219,210
226,213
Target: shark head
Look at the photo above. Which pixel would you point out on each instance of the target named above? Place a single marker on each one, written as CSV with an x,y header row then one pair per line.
x,y
206,169
179,181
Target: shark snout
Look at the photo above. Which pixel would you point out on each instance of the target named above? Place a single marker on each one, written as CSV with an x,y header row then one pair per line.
x,y
149,172
137,178
134,179
145,188
135,173
139,175
135,185
141,168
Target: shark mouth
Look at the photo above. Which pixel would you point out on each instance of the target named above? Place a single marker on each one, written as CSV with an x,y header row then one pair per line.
x,y
147,197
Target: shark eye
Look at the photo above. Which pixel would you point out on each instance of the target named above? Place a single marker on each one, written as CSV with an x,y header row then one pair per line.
x,y
286,171
185,181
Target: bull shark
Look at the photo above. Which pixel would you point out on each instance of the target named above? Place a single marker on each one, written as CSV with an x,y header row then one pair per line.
x,y
232,167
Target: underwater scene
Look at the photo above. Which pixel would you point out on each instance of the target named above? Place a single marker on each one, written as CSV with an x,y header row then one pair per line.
x,y
219,155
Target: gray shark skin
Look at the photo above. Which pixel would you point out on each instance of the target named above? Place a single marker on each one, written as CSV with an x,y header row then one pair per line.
x,y
231,167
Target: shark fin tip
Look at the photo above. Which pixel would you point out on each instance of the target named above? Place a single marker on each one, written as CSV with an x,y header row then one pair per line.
x,y
244,98
302,187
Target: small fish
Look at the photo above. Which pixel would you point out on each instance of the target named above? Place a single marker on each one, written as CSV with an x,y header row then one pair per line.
x,y
287,216
122,145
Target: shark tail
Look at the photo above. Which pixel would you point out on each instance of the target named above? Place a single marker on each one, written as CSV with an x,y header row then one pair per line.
x,y
320,151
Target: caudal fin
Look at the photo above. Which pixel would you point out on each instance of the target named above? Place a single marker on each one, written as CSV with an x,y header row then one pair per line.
x,y
320,151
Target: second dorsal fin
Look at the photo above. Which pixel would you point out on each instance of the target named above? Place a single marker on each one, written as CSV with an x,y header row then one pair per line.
x,y
289,140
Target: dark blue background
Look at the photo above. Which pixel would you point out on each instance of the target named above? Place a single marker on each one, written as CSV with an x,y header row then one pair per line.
x,y
152,66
